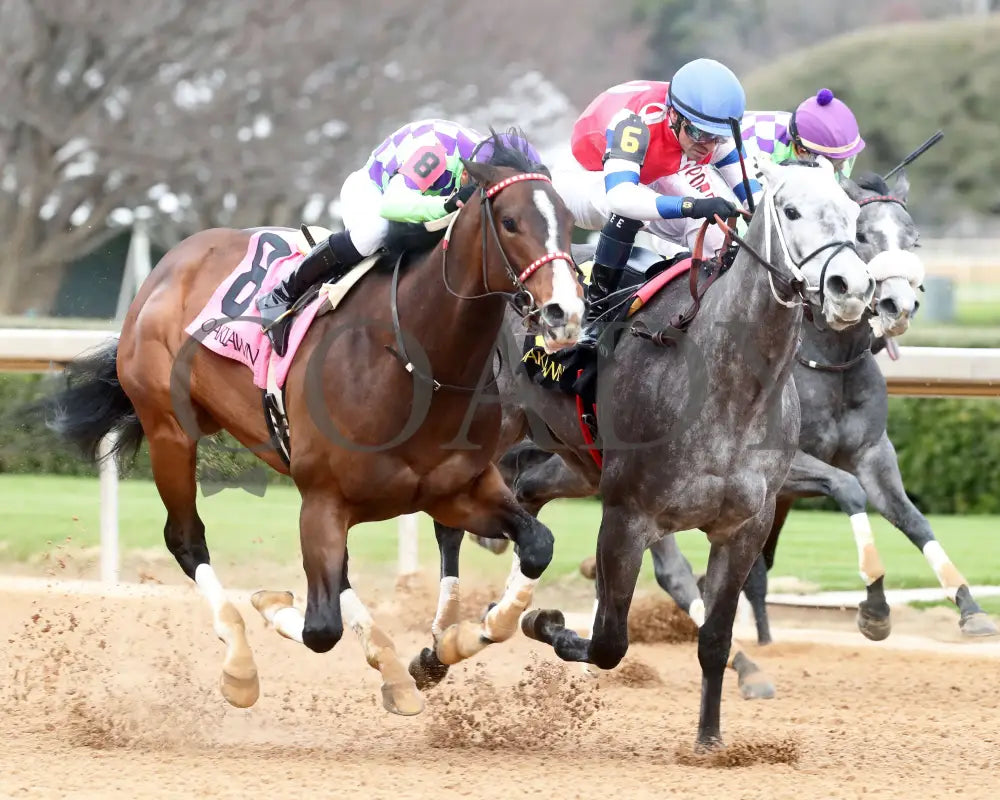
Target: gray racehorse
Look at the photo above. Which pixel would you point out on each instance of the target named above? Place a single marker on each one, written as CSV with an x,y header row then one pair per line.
x,y
833,367
712,423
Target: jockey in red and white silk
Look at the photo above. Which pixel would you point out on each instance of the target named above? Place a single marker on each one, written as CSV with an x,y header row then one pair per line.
x,y
654,155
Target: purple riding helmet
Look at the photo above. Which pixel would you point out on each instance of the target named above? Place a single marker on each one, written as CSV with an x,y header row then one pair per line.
x,y
826,126
516,141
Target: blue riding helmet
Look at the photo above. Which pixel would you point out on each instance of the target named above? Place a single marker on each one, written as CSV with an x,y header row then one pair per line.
x,y
709,94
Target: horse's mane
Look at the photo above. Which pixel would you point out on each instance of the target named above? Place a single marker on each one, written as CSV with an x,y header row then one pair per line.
x,y
873,182
414,239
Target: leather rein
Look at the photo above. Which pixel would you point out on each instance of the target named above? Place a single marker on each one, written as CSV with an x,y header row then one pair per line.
x,y
784,289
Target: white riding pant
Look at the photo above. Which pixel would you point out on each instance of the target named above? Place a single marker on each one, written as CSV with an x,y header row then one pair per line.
x,y
360,203
583,193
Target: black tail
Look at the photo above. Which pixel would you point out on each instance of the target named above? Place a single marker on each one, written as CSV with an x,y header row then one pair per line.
x,y
92,404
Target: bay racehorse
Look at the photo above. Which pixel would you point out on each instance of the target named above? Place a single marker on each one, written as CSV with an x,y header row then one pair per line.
x,y
409,342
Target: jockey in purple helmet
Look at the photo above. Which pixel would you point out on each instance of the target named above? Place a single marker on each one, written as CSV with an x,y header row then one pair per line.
x,y
822,125
415,175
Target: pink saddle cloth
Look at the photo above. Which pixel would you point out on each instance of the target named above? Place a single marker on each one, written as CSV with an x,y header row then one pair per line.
x,y
230,325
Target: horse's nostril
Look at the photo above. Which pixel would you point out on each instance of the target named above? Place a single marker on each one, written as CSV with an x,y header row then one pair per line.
x,y
553,314
836,286
888,306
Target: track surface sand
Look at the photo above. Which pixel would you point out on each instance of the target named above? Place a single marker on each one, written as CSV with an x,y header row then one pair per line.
x,y
117,697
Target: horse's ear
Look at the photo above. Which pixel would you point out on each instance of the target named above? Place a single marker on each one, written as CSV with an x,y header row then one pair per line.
x,y
854,191
902,186
481,174
765,168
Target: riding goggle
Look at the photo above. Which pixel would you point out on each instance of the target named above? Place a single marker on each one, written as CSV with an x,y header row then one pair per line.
x,y
697,134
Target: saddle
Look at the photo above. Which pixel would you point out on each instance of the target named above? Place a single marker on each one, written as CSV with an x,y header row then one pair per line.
x,y
574,371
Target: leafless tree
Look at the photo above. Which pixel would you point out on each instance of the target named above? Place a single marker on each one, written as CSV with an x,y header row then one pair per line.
x,y
217,112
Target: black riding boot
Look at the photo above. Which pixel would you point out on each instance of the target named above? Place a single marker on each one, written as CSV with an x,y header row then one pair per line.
x,y
329,261
603,281
613,249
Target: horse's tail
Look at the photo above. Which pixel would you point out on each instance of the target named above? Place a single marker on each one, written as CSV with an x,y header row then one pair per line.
x,y
93,404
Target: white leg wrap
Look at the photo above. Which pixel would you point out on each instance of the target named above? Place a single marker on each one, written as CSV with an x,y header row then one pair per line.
x,y
869,564
447,606
354,612
501,622
210,586
697,611
951,579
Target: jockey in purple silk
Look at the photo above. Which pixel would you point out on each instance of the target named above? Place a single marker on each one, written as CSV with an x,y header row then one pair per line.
x,y
822,125
415,175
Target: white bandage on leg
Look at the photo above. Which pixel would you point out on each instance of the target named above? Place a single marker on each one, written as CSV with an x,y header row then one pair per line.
x,y
354,612
502,620
697,611
210,586
951,579
447,606
869,564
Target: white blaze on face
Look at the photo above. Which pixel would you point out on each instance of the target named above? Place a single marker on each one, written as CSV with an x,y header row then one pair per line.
x,y
891,230
564,285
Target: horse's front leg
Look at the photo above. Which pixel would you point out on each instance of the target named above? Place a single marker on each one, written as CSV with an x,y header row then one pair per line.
x,y
878,471
620,546
329,595
729,563
489,509
426,668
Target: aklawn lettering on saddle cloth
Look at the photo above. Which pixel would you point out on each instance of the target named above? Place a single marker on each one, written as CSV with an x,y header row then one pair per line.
x,y
229,326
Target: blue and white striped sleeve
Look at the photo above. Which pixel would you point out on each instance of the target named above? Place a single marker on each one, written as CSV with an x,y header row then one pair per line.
x,y
729,168
625,152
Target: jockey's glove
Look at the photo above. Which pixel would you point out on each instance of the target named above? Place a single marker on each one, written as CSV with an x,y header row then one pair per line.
x,y
462,195
707,207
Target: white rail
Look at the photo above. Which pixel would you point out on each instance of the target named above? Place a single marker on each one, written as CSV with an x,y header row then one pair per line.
x,y
920,371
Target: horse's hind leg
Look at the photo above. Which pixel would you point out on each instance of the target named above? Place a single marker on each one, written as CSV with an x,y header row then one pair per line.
x,y
808,475
879,474
426,668
173,456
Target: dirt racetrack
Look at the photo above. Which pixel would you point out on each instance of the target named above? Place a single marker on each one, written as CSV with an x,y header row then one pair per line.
x,y
117,697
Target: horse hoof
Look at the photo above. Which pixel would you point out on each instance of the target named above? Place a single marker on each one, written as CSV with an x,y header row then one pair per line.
x,y
240,687
708,744
588,568
978,625
535,624
757,686
496,546
872,627
266,600
427,670
402,698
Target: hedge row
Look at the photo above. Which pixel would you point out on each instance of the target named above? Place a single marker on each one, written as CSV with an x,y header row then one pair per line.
x,y
27,446
949,450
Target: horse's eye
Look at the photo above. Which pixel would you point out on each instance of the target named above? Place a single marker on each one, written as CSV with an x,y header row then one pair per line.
x,y
509,225
792,212
862,239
